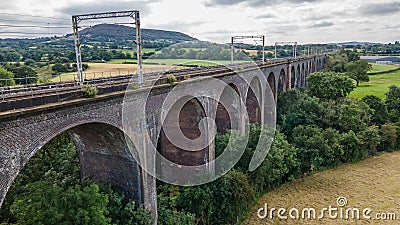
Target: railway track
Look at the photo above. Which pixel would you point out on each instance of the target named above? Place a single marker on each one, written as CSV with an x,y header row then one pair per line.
x,y
59,91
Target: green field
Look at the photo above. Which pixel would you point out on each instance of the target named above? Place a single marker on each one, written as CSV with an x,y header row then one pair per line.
x,y
382,67
378,85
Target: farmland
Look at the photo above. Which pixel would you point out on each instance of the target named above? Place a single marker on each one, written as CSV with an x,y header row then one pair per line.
x,y
372,183
378,84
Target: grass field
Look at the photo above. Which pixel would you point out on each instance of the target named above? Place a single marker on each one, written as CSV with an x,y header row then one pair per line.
x,y
382,67
373,183
378,85
97,70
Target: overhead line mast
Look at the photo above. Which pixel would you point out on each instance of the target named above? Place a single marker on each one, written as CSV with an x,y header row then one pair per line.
x,y
259,37
134,14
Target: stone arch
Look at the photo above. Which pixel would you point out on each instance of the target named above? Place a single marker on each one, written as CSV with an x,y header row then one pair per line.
x,y
254,101
293,77
104,155
272,83
190,112
303,77
282,81
298,76
223,115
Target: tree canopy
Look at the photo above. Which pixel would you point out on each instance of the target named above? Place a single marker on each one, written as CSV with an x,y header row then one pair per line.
x,y
358,70
329,85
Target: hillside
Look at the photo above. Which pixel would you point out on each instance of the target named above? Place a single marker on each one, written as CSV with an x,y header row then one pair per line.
x,y
115,33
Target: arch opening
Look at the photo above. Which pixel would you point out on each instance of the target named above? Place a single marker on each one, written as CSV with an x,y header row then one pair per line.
x,y
89,151
282,81
190,115
223,115
252,102
271,82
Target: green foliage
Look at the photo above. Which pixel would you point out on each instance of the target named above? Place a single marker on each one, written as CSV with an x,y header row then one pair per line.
x,y
171,79
59,68
329,85
353,115
358,70
305,111
379,110
371,139
220,202
353,148
281,165
388,133
24,75
6,78
393,103
123,211
89,91
50,186
318,148
53,204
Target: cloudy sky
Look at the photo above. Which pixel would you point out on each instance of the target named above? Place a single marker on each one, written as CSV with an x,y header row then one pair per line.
x,y
304,21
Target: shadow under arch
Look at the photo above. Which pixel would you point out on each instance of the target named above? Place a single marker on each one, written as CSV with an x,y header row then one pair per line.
x,y
254,101
190,113
282,81
272,83
293,77
228,112
298,76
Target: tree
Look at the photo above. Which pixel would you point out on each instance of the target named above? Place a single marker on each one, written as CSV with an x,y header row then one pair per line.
x,y
59,68
329,85
393,103
380,112
358,70
25,75
6,78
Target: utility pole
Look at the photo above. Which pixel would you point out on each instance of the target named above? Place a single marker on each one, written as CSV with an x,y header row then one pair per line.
x,y
134,14
294,44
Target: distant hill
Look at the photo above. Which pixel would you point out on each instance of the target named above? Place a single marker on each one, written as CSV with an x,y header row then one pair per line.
x,y
355,43
116,33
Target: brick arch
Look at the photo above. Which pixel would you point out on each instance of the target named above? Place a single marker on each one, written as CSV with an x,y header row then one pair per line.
x,y
303,77
254,101
190,112
227,116
298,76
282,82
104,155
293,78
272,83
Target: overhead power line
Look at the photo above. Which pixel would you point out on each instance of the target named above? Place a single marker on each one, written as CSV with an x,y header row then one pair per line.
x,y
46,17
34,26
33,22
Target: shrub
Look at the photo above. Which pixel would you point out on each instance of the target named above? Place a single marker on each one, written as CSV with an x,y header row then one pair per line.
x,y
89,91
353,149
6,78
317,147
171,79
388,133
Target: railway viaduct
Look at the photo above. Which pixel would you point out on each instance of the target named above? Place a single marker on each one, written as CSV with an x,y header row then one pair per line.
x,y
104,148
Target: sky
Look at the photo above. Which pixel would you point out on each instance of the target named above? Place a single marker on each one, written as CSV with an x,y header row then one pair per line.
x,y
303,21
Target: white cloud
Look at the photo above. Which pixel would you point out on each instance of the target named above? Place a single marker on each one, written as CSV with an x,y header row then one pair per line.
x,y
304,21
